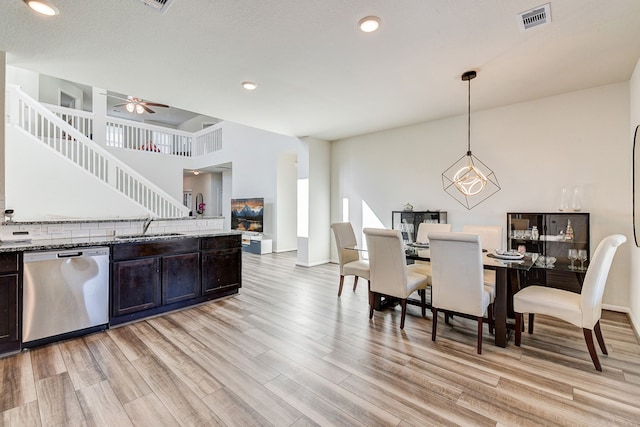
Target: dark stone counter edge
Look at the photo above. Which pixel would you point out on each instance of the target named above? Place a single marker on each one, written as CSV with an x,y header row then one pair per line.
x,y
80,242
76,221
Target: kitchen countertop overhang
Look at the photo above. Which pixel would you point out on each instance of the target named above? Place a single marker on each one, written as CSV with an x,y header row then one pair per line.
x,y
79,242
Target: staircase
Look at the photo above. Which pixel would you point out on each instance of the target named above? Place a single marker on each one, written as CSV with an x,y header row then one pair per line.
x,y
34,119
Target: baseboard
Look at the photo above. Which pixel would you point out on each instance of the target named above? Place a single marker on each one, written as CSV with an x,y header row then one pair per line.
x,y
313,264
634,322
618,308
285,250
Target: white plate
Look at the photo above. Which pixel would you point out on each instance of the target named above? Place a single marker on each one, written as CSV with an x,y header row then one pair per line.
x,y
508,255
419,245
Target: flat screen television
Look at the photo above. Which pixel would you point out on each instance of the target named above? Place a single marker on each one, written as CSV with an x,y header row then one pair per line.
x,y
247,214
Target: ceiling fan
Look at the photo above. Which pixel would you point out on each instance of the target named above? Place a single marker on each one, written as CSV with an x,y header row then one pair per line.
x,y
137,105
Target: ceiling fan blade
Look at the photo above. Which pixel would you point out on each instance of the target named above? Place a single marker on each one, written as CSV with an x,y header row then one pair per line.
x,y
116,97
119,105
147,109
155,104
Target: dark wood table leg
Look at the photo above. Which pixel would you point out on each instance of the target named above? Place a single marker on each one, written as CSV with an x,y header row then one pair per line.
x,y
513,286
500,307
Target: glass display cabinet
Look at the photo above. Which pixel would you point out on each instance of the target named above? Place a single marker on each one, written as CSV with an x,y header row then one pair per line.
x,y
407,222
552,236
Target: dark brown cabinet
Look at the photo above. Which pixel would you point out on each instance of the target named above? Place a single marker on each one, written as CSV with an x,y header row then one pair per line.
x,y
136,285
551,240
156,276
149,276
408,221
10,285
180,277
221,263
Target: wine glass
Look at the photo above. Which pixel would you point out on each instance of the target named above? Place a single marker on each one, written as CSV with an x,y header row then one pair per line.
x,y
573,255
582,256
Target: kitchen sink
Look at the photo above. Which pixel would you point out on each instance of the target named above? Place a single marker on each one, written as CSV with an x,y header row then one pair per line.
x,y
145,236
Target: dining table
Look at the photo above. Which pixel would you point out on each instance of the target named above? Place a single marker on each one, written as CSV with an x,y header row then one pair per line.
x,y
507,283
507,277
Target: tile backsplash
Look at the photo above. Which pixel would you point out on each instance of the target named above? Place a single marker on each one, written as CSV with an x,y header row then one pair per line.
x,y
108,228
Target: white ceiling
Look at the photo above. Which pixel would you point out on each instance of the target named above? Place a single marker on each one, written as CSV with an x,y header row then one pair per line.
x,y
317,74
162,116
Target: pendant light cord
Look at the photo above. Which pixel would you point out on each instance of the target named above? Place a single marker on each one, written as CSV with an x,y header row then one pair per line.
x,y
469,118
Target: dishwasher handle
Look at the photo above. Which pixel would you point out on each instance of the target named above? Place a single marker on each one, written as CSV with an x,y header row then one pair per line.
x,y
70,255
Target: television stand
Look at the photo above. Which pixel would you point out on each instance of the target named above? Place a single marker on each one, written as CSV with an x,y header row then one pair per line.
x,y
256,244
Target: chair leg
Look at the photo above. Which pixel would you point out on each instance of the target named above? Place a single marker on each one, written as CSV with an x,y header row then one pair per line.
x,y
600,338
403,304
423,301
372,300
530,323
446,317
490,314
355,283
434,323
341,283
588,337
479,334
519,327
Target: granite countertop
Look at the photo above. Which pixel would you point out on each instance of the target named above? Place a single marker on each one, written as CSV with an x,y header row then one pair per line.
x,y
98,220
79,242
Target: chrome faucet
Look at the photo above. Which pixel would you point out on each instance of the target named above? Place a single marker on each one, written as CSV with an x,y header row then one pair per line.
x,y
146,225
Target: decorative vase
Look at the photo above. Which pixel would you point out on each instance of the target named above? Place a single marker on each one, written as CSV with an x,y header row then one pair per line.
x,y
576,201
564,200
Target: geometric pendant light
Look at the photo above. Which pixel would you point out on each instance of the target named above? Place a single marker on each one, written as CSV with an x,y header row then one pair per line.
x,y
468,180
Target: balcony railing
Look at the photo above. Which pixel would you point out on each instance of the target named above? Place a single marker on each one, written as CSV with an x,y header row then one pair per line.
x,y
131,135
140,136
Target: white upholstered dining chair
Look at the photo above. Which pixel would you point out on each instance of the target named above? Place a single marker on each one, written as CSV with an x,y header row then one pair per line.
x,y
456,283
490,239
582,310
349,260
389,273
424,267
490,235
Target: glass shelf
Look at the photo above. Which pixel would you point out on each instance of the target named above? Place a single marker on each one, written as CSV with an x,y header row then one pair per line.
x,y
551,227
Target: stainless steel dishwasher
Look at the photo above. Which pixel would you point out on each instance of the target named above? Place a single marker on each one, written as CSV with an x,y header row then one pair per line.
x,y
65,293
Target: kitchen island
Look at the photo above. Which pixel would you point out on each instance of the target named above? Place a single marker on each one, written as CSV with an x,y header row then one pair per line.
x,y
149,274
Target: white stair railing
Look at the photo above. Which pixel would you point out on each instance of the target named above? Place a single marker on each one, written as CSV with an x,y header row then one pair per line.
x,y
127,134
37,120
141,136
78,119
208,140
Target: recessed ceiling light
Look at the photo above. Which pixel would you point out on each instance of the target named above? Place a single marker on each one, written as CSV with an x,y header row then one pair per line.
x,y
249,85
43,7
369,24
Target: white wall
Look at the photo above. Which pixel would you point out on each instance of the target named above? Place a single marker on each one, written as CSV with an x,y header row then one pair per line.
x,y
634,297
29,81
286,220
254,155
50,88
164,171
535,148
215,206
41,185
315,164
195,124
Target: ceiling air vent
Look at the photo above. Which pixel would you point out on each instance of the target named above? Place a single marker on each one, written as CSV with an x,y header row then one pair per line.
x,y
535,17
159,5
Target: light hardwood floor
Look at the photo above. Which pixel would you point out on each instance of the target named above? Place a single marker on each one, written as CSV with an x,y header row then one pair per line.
x,y
287,351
